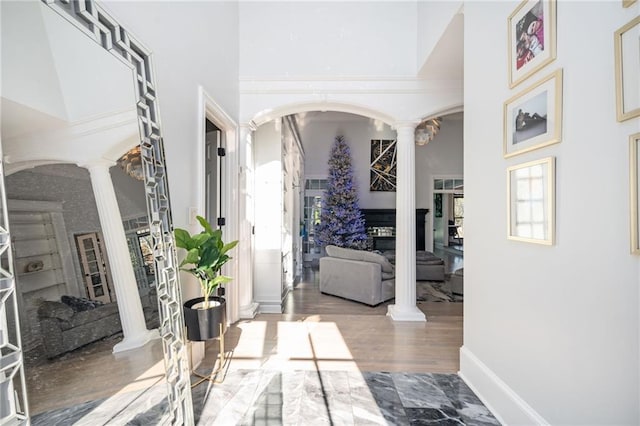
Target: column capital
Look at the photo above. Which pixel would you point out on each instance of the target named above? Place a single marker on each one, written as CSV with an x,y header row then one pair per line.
x,y
248,126
98,163
406,124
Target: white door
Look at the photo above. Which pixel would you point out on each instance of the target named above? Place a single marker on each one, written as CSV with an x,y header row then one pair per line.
x,y
94,268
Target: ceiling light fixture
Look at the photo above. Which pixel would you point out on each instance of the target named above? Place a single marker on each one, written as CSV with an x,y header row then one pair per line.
x,y
131,163
427,130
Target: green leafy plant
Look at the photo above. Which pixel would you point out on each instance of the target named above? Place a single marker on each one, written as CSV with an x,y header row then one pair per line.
x,y
207,253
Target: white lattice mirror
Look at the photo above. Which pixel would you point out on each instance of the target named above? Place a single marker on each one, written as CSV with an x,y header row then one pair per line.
x,y
78,94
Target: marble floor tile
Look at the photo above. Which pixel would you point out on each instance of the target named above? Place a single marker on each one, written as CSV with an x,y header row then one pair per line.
x,y
386,397
267,397
420,391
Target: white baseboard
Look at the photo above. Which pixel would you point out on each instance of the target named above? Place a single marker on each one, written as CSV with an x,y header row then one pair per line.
x,y
249,311
270,307
496,395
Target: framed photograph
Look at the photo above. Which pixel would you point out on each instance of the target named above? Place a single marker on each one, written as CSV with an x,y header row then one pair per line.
x,y
627,53
533,118
627,3
634,187
532,38
531,201
383,165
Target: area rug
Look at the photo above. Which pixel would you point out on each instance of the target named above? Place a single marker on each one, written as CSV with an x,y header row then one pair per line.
x,y
436,291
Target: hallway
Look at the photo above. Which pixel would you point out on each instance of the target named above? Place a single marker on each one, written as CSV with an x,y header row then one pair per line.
x,y
325,360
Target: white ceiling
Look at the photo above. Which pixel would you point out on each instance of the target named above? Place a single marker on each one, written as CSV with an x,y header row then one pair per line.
x,y
54,78
446,61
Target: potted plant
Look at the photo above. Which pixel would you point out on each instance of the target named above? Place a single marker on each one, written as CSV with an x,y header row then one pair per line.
x,y
205,316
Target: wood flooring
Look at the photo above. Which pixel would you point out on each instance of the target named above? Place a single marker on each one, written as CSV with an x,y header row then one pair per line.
x,y
315,332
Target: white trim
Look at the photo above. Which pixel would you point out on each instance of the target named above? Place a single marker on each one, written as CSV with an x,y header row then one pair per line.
x,y
270,308
329,78
412,313
209,109
324,105
503,402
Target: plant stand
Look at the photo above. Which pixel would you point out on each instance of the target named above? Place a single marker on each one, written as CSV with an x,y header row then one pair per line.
x,y
207,324
223,361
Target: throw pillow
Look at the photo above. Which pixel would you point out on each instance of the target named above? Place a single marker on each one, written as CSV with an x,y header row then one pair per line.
x,y
79,304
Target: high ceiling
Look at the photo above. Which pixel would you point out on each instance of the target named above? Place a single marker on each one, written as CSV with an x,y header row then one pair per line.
x,y
53,85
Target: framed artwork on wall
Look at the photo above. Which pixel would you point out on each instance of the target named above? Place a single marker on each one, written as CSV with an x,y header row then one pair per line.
x,y
531,201
634,187
437,202
627,54
533,118
531,38
383,165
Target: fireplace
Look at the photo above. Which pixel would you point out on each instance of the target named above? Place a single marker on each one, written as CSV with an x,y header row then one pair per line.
x,y
381,228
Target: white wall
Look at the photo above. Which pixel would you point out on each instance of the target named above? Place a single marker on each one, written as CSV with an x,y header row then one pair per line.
x,y
318,137
193,43
267,273
327,38
433,17
558,325
442,156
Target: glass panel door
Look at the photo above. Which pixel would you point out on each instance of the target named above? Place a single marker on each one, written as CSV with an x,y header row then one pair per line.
x,y
94,268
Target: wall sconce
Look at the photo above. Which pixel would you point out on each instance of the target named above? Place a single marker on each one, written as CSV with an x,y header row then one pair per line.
x,y
427,130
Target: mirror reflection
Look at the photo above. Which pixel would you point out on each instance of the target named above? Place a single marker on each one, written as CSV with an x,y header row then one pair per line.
x,y
82,253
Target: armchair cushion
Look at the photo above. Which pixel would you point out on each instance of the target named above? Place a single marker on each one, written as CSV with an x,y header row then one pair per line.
x,y
361,255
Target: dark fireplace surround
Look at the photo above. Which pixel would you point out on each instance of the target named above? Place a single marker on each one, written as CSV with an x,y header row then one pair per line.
x,y
386,218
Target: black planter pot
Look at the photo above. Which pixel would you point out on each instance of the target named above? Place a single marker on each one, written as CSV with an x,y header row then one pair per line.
x,y
204,324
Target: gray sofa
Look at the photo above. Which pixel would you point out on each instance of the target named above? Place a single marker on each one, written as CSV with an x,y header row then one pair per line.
x,y
357,275
429,267
65,327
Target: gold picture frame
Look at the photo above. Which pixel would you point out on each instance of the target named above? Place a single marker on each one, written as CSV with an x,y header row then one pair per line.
x,y
532,119
531,202
627,3
627,56
531,39
634,187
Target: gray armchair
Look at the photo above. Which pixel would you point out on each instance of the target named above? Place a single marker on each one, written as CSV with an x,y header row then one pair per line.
x,y
357,275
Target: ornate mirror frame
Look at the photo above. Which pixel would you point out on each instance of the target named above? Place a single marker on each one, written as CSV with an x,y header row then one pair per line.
x,y
93,21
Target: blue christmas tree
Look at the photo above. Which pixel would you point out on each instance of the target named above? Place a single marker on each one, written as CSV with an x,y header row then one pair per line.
x,y
341,221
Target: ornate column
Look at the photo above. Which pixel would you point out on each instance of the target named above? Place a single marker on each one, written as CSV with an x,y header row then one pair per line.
x,y
248,307
405,308
124,281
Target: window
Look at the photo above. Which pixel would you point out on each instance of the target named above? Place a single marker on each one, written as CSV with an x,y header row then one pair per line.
x,y
314,189
458,213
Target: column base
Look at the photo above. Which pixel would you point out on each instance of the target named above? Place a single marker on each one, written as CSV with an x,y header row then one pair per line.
x,y
249,311
137,341
410,313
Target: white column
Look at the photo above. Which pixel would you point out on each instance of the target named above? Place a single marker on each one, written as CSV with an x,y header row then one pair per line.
x,y
124,281
248,307
405,308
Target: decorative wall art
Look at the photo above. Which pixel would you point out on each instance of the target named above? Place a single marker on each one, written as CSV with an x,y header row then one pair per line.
x,y
530,201
634,186
533,118
437,202
383,165
532,38
627,53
